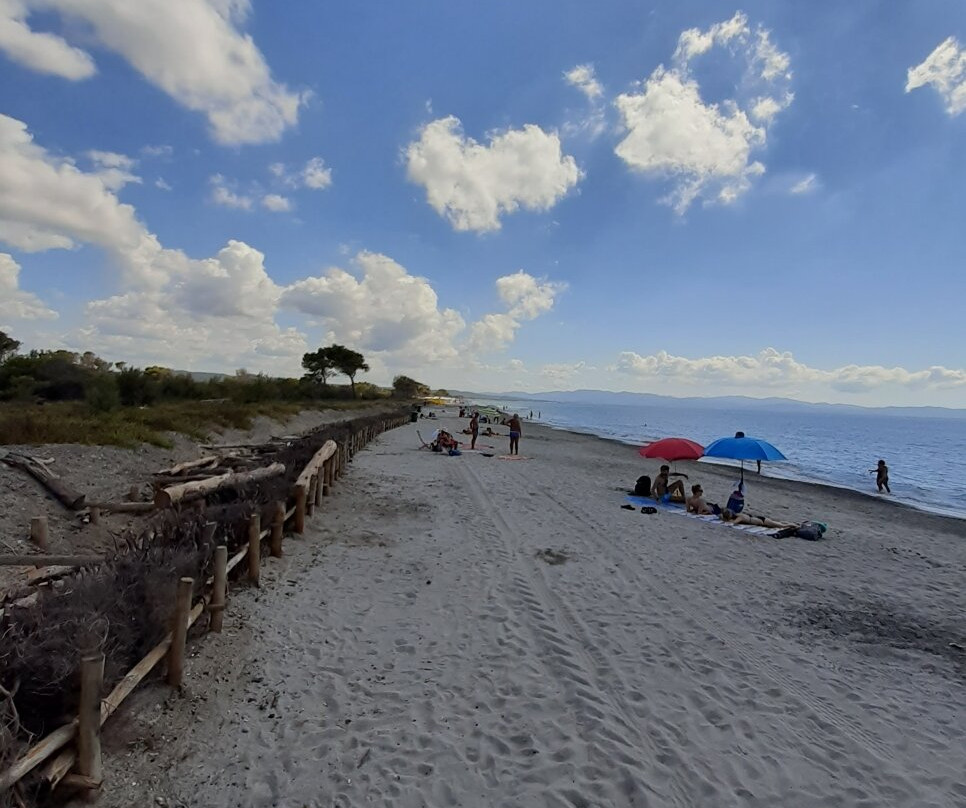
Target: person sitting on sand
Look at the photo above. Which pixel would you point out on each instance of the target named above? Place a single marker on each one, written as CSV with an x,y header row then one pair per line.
x,y
665,491
747,519
696,503
881,473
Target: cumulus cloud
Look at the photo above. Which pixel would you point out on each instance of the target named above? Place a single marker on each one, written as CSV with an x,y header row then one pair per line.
x,y
473,185
162,184
115,170
780,370
945,70
193,50
223,193
526,298
385,308
276,203
583,78
561,372
15,303
46,202
705,148
314,174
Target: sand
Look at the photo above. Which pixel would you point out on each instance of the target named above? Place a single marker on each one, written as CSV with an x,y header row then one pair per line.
x,y
474,631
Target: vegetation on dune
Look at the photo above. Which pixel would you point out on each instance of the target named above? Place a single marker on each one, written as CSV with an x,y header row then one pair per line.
x,y
65,397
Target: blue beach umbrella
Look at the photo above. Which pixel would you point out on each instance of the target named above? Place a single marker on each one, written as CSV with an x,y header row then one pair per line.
x,y
743,449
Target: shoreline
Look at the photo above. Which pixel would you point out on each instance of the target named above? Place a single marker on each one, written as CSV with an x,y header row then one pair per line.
x,y
870,496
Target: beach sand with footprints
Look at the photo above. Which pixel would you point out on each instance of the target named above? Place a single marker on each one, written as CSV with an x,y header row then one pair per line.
x,y
473,631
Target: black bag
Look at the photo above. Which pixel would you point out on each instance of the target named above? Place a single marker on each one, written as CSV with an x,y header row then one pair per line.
x,y
810,531
643,486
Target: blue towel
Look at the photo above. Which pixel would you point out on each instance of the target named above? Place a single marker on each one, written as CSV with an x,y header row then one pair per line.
x,y
642,502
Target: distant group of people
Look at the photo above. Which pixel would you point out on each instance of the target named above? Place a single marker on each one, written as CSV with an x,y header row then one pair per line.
x,y
516,430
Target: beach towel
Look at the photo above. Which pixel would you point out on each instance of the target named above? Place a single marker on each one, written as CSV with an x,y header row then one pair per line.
x,y
512,457
675,508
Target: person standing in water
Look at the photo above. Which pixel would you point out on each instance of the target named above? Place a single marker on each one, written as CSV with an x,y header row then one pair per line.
x,y
516,430
881,472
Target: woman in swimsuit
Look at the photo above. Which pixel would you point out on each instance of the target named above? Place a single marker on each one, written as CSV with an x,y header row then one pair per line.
x,y
747,519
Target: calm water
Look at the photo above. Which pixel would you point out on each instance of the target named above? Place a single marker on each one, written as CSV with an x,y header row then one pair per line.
x,y
926,456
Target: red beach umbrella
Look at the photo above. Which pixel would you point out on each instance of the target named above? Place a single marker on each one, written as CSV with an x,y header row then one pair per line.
x,y
672,449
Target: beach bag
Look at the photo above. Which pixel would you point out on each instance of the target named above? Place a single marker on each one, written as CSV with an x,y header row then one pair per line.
x,y
643,486
811,531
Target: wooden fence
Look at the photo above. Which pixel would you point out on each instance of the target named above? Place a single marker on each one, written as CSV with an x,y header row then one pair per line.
x,y
72,753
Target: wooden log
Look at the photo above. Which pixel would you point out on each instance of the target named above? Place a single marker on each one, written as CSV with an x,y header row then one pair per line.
x,y
34,560
89,718
201,462
312,467
38,754
179,632
317,489
278,530
254,548
67,496
300,495
166,497
38,531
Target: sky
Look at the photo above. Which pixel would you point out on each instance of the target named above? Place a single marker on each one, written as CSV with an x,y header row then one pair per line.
x,y
685,198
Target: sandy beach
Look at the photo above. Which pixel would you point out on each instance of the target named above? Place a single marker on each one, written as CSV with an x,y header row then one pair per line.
x,y
477,631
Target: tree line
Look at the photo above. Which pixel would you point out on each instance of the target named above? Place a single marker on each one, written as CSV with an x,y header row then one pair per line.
x,y
58,375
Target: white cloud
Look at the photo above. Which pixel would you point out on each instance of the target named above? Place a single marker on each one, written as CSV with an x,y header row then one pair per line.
x,y
276,203
473,185
15,303
38,50
945,70
705,148
805,185
193,50
385,309
526,298
160,183
316,175
161,150
223,194
113,169
583,78
561,372
46,202
779,370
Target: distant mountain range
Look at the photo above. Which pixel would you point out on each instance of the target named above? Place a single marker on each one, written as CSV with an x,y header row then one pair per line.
x,y
773,404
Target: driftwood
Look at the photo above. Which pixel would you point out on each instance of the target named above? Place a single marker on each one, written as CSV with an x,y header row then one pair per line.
x,y
67,496
201,462
312,467
166,497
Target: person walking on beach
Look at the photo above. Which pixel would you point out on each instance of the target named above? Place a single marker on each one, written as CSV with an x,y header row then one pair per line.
x,y
474,429
516,430
881,472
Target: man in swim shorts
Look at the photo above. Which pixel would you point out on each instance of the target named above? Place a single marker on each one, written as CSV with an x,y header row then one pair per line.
x,y
665,491
516,430
474,428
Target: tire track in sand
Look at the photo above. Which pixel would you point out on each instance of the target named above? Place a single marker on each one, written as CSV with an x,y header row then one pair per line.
x,y
584,669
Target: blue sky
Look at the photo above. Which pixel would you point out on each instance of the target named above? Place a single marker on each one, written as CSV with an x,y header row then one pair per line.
x,y
682,198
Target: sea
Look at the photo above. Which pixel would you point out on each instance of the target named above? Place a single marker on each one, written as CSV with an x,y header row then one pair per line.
x,y
926,455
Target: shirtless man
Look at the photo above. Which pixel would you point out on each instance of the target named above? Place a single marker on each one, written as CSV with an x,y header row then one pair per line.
x,y
474,428
516,430
664,491
696,503
881,473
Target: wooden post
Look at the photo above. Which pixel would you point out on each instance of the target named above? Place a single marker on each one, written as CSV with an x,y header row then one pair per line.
x,y
95,514
317,485
300,493
278,529
179,632
310,497
134,493
218,599
254,548
38,531
200,505
327,477
89,719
